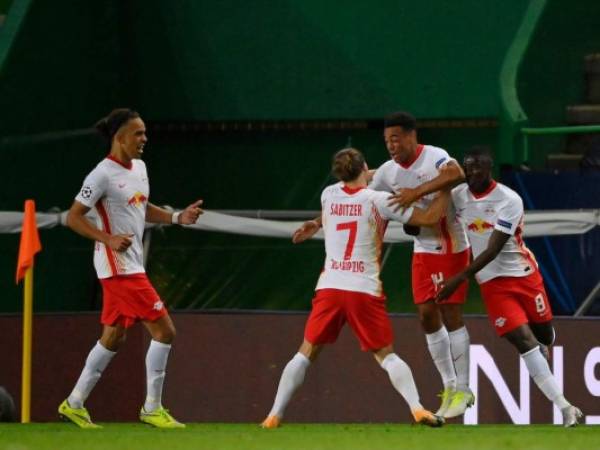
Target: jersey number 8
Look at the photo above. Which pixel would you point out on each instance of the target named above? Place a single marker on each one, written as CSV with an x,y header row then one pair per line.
x,y
540,304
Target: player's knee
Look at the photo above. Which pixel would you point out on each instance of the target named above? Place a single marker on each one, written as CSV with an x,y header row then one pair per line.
x,y
452,316
425,315
523,345
113,341
523,341
544,333
381,354
530,343
547,337
453,323
165,335
172,333
309,350
430,319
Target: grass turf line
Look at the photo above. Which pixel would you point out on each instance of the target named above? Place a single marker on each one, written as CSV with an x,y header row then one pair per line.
x,y
133,436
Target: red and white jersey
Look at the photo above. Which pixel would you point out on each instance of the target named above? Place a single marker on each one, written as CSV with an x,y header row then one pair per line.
x,y
448,236
499,208
120,196
354,222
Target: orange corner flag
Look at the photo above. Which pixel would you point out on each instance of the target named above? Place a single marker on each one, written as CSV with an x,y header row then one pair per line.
x,y
30,240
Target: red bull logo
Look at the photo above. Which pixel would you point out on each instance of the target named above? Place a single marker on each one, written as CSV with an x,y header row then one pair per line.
x,y
137,199
479,226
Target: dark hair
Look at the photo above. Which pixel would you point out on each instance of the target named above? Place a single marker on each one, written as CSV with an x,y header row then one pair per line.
x,y
347,164
400,119
109,125
479,150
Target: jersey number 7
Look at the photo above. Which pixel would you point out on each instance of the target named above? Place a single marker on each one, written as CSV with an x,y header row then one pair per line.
x,y
352,227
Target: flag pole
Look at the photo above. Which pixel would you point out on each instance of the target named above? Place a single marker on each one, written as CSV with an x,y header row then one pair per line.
x,y
30,245
27,338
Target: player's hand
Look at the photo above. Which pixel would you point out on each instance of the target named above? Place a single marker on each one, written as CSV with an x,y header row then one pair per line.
x,y
403,198
370,175
448,288
306,231
190,214
120,242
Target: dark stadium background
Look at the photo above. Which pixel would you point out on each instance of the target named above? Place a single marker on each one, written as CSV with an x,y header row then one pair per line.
x,y
245,102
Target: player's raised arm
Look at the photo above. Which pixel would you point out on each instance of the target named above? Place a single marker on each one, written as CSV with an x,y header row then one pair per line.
x,y
450,175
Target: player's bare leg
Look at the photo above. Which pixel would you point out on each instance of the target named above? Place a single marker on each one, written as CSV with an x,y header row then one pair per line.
x,y
113,337
438,343
460,343
73,408
291,379
544,333
403,381
527,344
162,331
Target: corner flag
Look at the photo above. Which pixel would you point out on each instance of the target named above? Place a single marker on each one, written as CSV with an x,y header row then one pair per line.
x,y
30,240
30,245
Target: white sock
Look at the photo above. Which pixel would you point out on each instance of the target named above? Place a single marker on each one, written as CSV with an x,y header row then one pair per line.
x,y
156,363
291,379
96,362
402,380
540,372
460,344
439,348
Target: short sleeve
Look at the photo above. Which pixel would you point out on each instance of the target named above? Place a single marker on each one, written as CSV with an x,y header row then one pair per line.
x,y
455,194
442,158
403,215
378,183
509,216
94,188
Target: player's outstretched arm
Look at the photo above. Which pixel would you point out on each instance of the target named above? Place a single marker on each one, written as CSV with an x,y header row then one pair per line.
x,y
188,216
307,230
450,176
432,215
77,222
191,213
495,244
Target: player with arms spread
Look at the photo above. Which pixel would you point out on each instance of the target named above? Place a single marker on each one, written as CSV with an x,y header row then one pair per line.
x,y
349,289
507,272
118,189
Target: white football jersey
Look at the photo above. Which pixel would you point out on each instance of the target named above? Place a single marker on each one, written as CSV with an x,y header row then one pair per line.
x,y
120,196
354,222
449,235
499,208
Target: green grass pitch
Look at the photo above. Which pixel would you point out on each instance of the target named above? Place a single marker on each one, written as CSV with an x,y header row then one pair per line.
x,y
133,436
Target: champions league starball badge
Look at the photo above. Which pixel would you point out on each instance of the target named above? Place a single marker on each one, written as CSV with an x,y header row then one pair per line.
x,y
86,192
